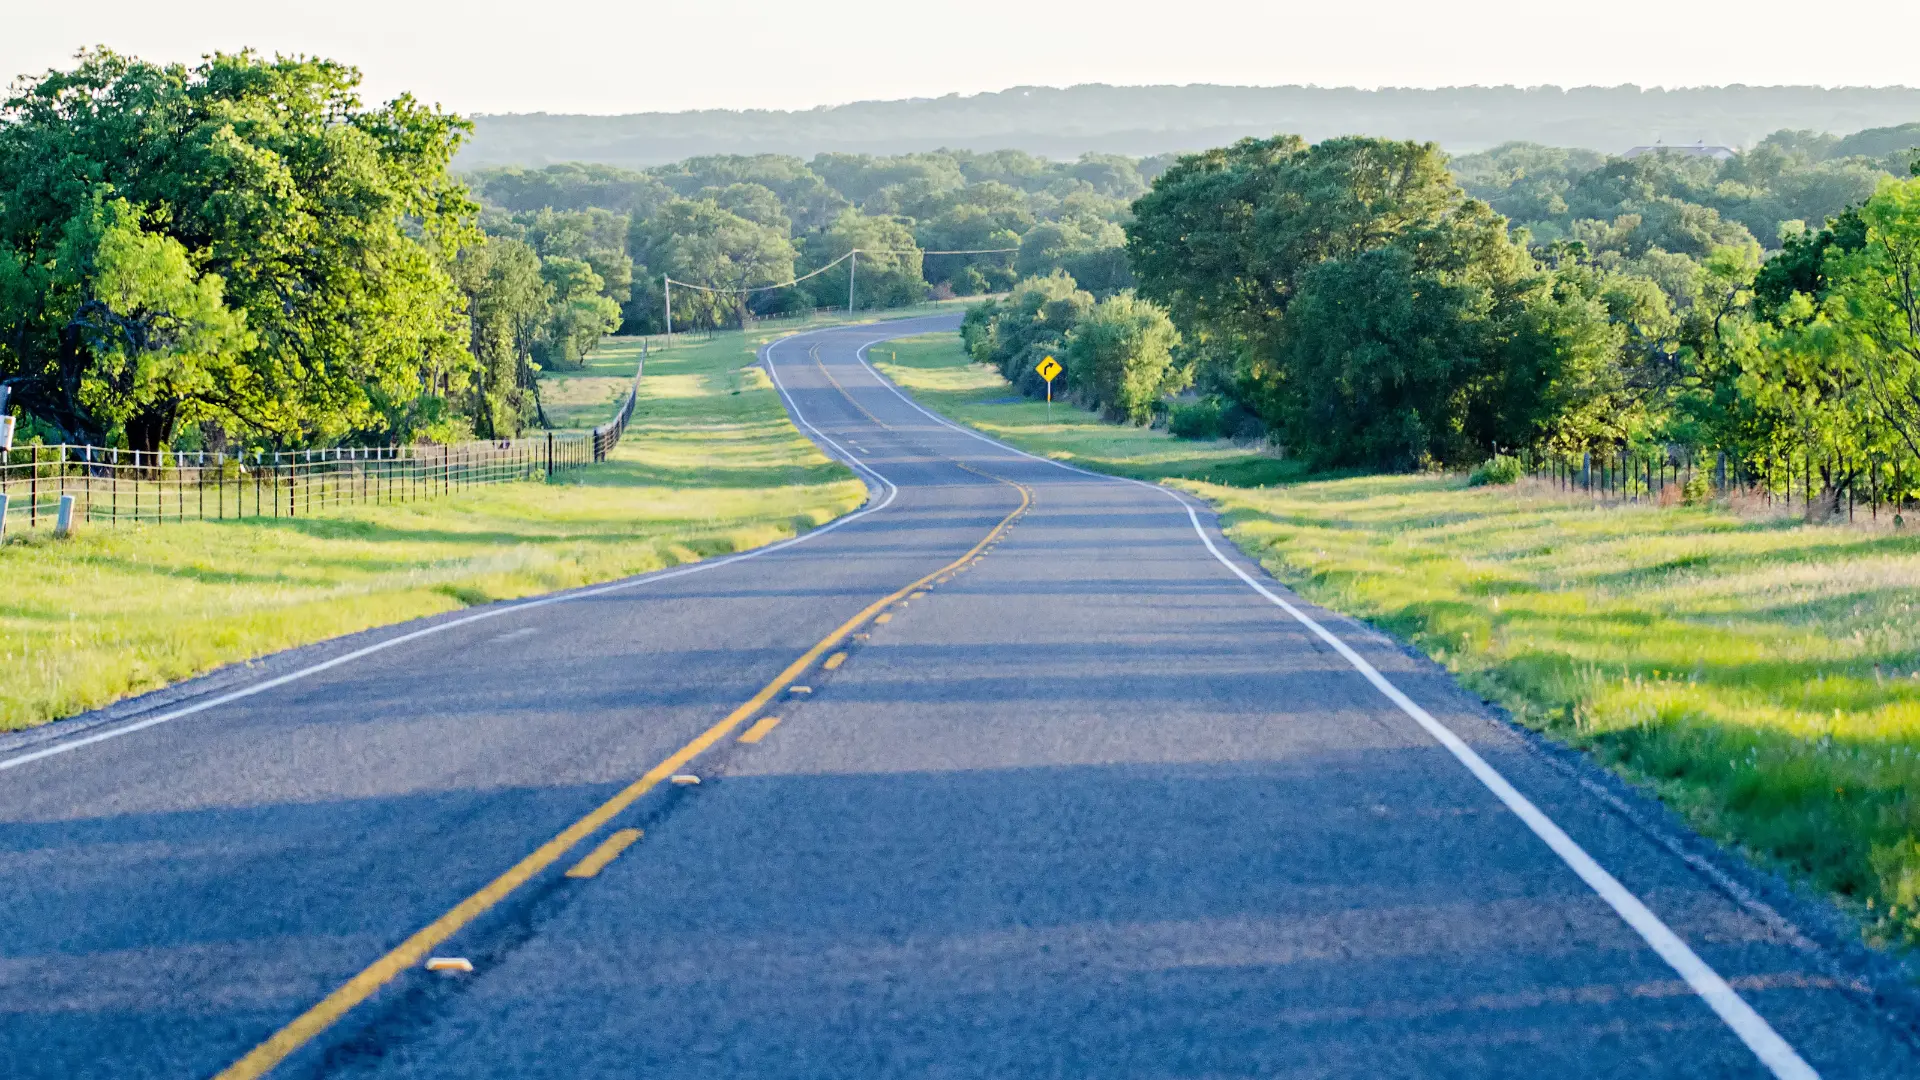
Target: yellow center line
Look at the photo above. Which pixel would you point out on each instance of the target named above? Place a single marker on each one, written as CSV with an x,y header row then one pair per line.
x,y
409,953
759,729
815,353
615,843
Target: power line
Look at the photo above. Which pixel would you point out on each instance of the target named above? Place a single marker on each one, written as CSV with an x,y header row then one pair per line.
x,y
757,288
668,283
742,290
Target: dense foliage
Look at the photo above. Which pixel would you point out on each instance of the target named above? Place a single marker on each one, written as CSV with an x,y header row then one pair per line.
x,y
1357,300
240,245
242,252
1360,299
749,222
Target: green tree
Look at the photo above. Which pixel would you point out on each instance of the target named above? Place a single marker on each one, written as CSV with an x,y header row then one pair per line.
x,y
700,243
507,311
969,228
578,312
1032,321
144,338
887,273
1374,314
1120,357
1874,307
326,227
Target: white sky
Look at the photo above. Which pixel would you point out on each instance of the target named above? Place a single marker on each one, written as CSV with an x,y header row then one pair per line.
x,y
491,56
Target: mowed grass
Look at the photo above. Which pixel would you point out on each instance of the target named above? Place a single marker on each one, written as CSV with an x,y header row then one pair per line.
x,y
1762,676
584,397
936,370
710,465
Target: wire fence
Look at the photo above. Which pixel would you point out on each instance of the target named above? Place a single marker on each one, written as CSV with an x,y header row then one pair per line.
x,y
113,487
1816,485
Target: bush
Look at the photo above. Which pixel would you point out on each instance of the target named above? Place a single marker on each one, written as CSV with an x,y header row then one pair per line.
x,y
1697,490
1196,420
1500,469
1120,357
1032,321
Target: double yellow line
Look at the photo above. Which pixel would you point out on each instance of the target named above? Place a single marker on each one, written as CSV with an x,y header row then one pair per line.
x,y
263,1058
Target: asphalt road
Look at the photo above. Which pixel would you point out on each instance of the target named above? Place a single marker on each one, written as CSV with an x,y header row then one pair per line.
x,y
1085,803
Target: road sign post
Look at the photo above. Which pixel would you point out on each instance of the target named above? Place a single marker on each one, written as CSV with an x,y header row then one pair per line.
x,y
1048,368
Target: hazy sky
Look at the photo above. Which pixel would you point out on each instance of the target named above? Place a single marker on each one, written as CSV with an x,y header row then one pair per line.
x,y
608,57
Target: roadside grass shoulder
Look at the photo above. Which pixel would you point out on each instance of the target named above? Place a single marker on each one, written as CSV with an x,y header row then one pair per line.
x,y
936,370
709,465
1761,676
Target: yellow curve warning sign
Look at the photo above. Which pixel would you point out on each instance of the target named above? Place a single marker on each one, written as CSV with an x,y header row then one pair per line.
x,y
1048,368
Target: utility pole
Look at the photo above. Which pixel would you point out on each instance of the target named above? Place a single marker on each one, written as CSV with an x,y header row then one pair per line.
x,y
853,260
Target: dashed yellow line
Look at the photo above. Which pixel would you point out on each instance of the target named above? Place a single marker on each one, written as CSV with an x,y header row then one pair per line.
x,y
759,729
263,1058
835,661
599,857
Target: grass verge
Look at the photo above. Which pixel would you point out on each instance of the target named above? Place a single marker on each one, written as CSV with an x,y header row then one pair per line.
x,y
1761,676
936,370
710,465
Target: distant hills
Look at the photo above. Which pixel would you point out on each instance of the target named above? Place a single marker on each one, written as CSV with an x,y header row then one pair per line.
x,y
1145,120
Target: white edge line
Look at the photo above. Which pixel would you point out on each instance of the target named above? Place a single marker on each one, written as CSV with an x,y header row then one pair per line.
x,y
1752,1029
889,489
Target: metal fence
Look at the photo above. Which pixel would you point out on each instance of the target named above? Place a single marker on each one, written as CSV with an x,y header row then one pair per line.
x,y
1829,486
113,487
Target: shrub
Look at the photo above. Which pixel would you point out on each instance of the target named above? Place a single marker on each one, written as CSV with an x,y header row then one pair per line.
x,y
1120,357
1500,469
1196,420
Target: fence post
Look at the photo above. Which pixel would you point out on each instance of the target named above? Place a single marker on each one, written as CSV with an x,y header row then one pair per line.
x,y
3,517
549,455
63,525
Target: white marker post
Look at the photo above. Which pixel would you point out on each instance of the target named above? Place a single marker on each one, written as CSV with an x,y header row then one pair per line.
x,y
1048,368
63,525
6,447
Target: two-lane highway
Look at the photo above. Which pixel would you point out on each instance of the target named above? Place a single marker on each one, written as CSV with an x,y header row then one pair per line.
x,y
1038,778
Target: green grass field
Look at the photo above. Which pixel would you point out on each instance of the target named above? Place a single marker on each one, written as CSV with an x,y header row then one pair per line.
x,y
1762,676
935,369
710,465
582,397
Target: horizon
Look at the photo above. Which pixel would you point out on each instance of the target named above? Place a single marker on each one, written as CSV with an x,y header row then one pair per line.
x,y
964,96
486,58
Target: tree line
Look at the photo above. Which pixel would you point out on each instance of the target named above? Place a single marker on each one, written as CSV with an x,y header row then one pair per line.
x,y
242,252
1366,303
746,222
1359,301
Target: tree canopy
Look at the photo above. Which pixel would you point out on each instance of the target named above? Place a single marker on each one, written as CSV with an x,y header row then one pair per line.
x,y
240,242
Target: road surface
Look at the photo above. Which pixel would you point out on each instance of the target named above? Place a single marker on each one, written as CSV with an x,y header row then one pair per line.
x,y
1060,786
